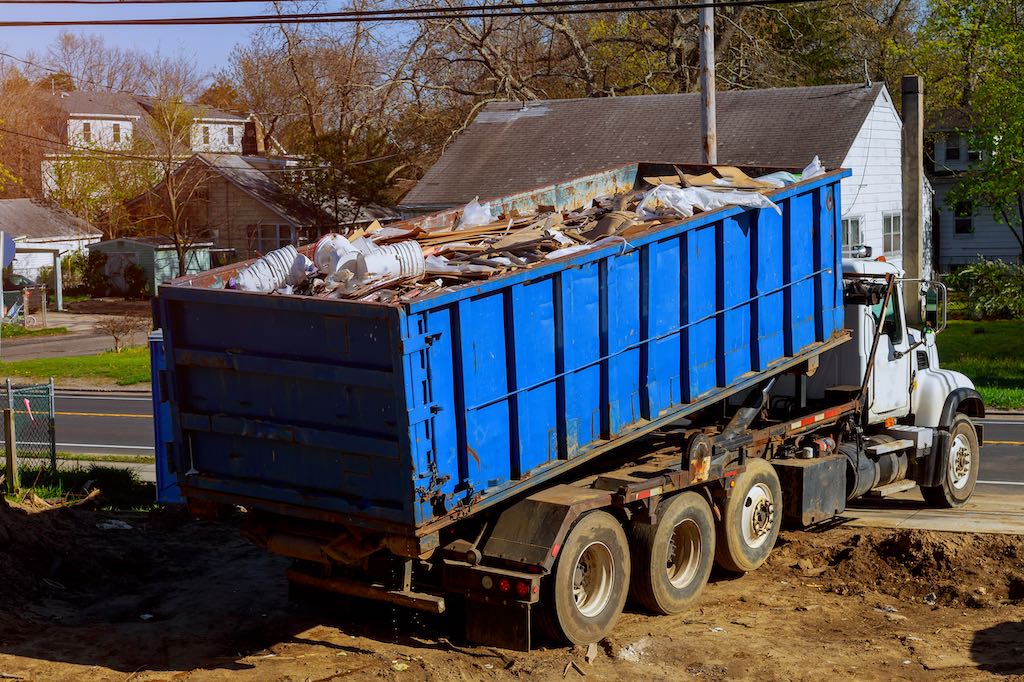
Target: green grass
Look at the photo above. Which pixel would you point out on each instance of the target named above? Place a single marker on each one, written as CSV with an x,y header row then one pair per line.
x,y
16,331
130,366
121,488
78,457
991,353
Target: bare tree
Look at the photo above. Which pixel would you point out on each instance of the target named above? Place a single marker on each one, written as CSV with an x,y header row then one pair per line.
x,y
123,328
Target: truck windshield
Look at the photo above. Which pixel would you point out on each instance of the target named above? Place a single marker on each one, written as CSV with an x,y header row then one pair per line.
x,y
891,326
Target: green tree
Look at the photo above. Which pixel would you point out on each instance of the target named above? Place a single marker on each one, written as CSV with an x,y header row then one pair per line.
x,y
988,92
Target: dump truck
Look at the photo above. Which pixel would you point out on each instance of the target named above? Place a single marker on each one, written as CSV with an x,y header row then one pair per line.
x,y
539,446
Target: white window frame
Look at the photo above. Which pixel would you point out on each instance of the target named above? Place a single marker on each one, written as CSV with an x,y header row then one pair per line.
x,y
87,131
848,244
959,143
892,240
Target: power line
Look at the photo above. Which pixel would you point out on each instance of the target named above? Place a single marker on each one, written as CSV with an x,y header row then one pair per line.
x,y
558,7
44,142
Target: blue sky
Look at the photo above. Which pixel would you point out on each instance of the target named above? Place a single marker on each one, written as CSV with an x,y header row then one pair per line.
x,y
209,46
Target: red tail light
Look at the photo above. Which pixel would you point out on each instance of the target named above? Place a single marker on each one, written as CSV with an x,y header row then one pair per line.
x,y
504,585
522,589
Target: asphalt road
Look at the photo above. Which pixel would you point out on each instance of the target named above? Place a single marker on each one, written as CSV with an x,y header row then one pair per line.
x,y
1002,457
115,424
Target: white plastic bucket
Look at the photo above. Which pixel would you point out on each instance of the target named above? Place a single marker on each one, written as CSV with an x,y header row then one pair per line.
x,y
281,267
333,253
404,259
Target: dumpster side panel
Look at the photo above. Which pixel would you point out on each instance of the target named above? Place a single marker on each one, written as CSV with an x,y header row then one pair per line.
x,y
538,368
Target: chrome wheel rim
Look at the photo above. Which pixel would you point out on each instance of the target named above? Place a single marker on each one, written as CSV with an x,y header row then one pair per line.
x,y
592,579
758,515
959,464
683,553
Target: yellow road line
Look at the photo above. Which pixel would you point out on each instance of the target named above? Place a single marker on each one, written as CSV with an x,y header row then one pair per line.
x,y
1003,442
103,414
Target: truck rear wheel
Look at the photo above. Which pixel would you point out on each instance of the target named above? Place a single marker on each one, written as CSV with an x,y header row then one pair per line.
x,y
672,558
751,519
960,473
588,586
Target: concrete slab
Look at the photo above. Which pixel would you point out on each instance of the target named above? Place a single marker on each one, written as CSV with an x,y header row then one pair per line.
x,y
989,511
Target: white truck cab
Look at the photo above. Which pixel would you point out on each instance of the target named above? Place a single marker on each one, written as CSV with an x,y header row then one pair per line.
x,y
910,404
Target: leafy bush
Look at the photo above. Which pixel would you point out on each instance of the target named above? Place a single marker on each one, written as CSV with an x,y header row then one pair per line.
x,y
73,269
94,278
45,276
990,289
136,284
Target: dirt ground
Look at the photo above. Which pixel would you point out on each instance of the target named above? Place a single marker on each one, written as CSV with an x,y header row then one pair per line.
x,y
98,596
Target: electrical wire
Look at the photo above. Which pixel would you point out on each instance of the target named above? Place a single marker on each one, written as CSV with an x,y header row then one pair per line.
x,y
44,142
555,8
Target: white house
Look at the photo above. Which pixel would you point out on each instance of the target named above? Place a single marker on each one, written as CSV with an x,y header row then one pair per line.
x,y
964,232
514,147
39,225
111,122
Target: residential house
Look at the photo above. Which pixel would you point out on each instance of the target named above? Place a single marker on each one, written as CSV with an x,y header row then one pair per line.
x,y
112,122
513,147
963,232
51,230
242,204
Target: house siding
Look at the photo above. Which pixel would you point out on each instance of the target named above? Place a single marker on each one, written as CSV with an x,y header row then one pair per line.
x,y
991,237
230,214
101,133
876,187
28,264
218,137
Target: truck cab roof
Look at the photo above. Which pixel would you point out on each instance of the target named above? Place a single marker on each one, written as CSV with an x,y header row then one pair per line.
x,y
870,266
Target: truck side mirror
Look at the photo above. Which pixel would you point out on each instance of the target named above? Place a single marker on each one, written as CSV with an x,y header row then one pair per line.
x,y
928,336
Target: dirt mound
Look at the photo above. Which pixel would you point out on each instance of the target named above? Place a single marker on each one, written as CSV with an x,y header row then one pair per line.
x,y
45,550
951,569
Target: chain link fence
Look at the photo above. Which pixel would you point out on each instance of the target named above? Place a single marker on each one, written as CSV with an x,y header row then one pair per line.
x,y
34,429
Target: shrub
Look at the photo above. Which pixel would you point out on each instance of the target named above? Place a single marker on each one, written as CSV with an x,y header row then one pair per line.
x,y
123,328
94,278
136,284
990,288
73,269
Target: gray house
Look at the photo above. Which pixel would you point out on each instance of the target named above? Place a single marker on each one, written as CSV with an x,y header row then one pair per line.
x,y
514,147
45,227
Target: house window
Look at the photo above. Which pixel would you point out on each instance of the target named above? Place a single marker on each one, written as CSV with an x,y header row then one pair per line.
x,y
266,238
963,217
117,132
852,236
206,134
87,131
892,234
952,146
973,154
231,135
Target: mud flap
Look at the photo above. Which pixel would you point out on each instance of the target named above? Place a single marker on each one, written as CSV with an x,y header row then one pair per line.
x,y
501,625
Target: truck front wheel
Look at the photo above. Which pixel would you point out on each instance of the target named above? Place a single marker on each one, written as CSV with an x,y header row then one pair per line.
x,y
960,473
588,586
751,518
672,558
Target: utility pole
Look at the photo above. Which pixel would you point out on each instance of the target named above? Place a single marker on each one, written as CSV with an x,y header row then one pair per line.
x,y
708,126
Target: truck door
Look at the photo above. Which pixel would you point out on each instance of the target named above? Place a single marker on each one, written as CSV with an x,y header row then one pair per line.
x,y
890,380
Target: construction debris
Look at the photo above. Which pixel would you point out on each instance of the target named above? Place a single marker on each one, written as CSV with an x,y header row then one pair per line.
x,y
407,261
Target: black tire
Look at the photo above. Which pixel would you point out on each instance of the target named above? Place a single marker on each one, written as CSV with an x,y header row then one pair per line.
x,y
960,467
594,550
672,558
746,539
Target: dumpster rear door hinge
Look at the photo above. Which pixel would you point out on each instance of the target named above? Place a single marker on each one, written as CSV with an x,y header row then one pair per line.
x,y
420,342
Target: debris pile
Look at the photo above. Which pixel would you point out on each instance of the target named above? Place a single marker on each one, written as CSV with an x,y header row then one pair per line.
x,y
406,261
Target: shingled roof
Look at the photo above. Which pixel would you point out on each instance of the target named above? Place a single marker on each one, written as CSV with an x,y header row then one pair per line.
x,y
517,146
27,219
